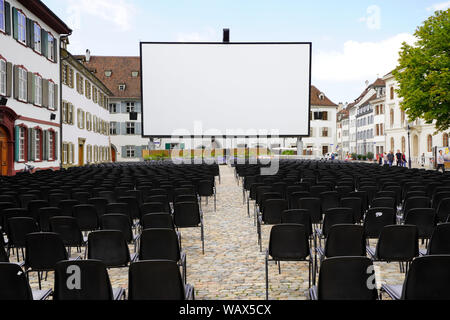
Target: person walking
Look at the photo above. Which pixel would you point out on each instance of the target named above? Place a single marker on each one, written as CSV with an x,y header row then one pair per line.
x,y
423,159
398,156
440,162
403,159
391,158
386,160
380,159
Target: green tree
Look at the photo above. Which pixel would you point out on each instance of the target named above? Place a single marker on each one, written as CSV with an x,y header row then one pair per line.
x,y
423,72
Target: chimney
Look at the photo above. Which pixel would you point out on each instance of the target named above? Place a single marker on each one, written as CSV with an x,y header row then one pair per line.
x,y
88,55
367,83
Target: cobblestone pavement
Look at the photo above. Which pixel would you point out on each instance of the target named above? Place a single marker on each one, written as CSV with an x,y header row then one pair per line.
x,y
232,267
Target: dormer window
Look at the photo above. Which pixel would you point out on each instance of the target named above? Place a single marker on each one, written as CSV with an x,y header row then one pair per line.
x,y
108,73
134,74
122,87
321,96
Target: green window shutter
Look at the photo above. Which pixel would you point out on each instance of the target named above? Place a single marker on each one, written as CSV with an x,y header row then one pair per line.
x,y
15,23
123,128
124,152
55,49
7,18
17,143
138,126
45,93
16,82
9,78
29,26
56,95
31,144
44,43
55,139
30,91
45,146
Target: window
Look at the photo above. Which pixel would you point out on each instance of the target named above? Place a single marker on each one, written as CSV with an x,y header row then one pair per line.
x,y
2,15
429,143
381,129
70,114
2,77
402,116
130,152
130,107
89,153
37,37
88,121
122,87
51,47
80,83
65,153
131,128
324,132
325,115
94,94
21,27
88,89
134,74
22,84
71,75
391,92
403,144
392,117
37,144
392,144
112,108
80,118
22,143
113,128
51,145
65,73
108,73
38,90
95,153
445,140
51,95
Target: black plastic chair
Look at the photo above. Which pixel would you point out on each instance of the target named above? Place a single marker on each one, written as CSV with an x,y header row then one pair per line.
x,y
428,278
271,214
81,197
110,196
334,216
42,251
157,280
397,243
159,198
355,204
67,206
110,247
376,219
99,204
15,285
34,206
157,220
424,219
313,207
329,199
384,203
121,222
93,282
44,217
288,242
26,198
68,229
152,207
294,198
415,202
207,189
443,210
18,228
55,198
440,240
345,278
162,244
13,213
132,206
187,215
87,217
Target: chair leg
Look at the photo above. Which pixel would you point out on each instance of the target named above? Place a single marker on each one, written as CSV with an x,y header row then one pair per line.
x,y
267,278
279,267
248,207
203,239
215,202
39,279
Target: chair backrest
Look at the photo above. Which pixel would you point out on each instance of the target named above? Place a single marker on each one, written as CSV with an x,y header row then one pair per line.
x,y
313,206
152,207
346,278
205,188
356,204
18,228
155,280
34,206
298,216
157,220
44,217
294,198
376,219
100,205
68,229
117,221
159,244
81,197
273,209
44,250
336,216
13,213
132,206
384,202
117,207
428,278
159,198
110,247
87,217
288,242
93,282
440,240
14,282
398,243
67,206
186,214
329,199
363,196
345,240
416,202
424,219
443,209
55,198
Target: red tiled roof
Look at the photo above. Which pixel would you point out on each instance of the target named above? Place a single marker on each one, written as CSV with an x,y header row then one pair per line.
x,y
45,14
121,69
316,101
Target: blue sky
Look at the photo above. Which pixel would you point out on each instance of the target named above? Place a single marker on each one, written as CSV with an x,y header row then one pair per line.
x,y
353,41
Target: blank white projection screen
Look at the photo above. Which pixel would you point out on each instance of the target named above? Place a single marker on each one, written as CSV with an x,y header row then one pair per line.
x,y
251,87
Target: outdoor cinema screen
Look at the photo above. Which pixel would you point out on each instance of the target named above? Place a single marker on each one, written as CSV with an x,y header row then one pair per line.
x,y
227,89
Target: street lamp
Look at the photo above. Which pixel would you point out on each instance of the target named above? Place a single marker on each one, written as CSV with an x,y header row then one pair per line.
x,y
409,146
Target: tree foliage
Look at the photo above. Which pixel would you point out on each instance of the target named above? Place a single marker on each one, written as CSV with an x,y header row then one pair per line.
x,y
423,72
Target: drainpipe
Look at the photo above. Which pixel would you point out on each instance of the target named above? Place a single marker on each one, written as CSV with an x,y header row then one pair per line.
x,y
60,101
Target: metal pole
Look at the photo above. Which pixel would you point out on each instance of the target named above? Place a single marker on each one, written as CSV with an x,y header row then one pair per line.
x,y
409,148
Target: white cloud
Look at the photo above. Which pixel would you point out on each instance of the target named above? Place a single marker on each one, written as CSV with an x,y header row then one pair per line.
x,y
373,17
439,6
119,12
209,34
359,60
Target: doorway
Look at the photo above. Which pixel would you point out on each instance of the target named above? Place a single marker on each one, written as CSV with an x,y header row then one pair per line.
x,y
3,152
81,143
113,153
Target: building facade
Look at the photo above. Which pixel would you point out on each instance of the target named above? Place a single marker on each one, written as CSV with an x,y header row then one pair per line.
x,y
122,76
29,86
422,136
85,115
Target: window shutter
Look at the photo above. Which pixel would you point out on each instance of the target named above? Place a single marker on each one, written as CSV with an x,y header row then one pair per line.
x,y
123,127
55,49
124,152
138,107
117,126
55,141
30,78
16,82
31,144
9,79
44,43
15,24
123,107
29,33
44,155
45,93
7,18
138,127
17,143
55,98
72,153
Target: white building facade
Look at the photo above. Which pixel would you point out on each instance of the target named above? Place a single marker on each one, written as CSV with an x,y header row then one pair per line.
x,y
29,86
85,115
